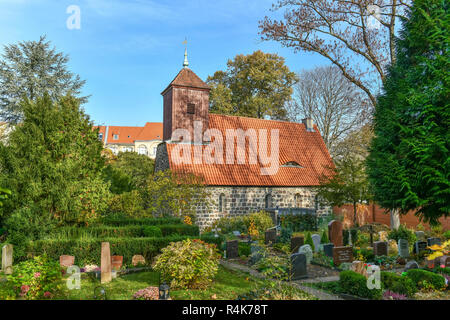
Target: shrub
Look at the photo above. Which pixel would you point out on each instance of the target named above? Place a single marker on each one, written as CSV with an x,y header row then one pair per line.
x,y
364,254
398,284
244,249
299,222
120,220
152,231
96,232
402,233
181,229
130,203
447,235
324,238
38,278
356,284
424,279
285,235
188,264
389,295
274,267
261,221
309,240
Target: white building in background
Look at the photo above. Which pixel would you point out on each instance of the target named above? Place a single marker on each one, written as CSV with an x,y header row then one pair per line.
x,y
143,140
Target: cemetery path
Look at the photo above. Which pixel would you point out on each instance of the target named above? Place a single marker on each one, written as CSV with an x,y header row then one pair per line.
x,y
315,292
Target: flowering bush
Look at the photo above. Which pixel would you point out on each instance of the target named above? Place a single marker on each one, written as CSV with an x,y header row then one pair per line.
x,y
150,293
39,278
389,295
188,263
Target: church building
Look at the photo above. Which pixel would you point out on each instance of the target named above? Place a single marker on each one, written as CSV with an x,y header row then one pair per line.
x,y
237,175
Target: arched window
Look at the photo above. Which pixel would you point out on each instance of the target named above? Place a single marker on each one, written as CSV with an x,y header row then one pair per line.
x,y
268,201
298,201
142,149
221,202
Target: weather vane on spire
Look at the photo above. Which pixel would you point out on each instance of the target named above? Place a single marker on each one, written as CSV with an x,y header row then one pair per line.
x,y
186,62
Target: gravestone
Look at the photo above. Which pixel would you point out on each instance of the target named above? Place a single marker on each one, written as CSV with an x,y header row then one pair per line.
x,y
298,266
137,259
444,261
342,254
307,251
66,261
316,241
420,246
106,263
296,243
328,249
380,248
7,259
116,262
403,248
420,235
335,233
358,267
432,241
232,249
236,233
411,265
257,253
270,236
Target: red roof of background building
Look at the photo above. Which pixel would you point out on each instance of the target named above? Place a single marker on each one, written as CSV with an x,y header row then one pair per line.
x,y
296,145
127,135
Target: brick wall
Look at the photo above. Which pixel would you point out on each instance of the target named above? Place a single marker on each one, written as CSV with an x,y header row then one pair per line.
x,y
373,213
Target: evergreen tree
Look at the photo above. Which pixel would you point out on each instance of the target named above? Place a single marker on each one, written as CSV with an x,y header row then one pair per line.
x,y
409,161
52,164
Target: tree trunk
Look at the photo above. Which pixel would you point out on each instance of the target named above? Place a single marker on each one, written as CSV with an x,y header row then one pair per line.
x,y
395,219
355,218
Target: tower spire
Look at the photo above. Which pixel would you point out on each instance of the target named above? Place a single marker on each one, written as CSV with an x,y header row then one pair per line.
x,y
186,62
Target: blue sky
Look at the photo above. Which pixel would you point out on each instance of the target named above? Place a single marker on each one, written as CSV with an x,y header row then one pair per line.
x,y
130,50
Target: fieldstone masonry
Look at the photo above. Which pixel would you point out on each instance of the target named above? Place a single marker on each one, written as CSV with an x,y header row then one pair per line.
x,y
245,200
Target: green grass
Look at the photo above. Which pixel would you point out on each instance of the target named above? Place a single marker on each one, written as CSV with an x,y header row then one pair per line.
x,y
227,285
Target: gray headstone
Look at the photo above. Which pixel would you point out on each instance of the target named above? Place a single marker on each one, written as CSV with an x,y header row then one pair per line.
x,y
403,248
298,266
328,249
420,235
411,265
380,248
432,241
307,250
316,241
420,246
232,249
7,258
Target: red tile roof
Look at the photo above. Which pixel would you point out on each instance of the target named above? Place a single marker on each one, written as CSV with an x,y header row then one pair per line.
x,y
187,78
296,144
127,135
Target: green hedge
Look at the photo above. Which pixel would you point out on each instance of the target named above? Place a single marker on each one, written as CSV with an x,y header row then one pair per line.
x,y
133,231
419,277
88,251
182,229
119,221
152,231
398,284
355,284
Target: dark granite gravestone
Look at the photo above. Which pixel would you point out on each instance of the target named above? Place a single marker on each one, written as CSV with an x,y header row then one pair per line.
x,y
232,249
335,233
270,236
328,249
403,248
342,254
298,266
411,265
380,248
432,241
420,246
296,243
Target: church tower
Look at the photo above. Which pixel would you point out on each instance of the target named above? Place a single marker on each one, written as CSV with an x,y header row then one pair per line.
x,y
186,100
